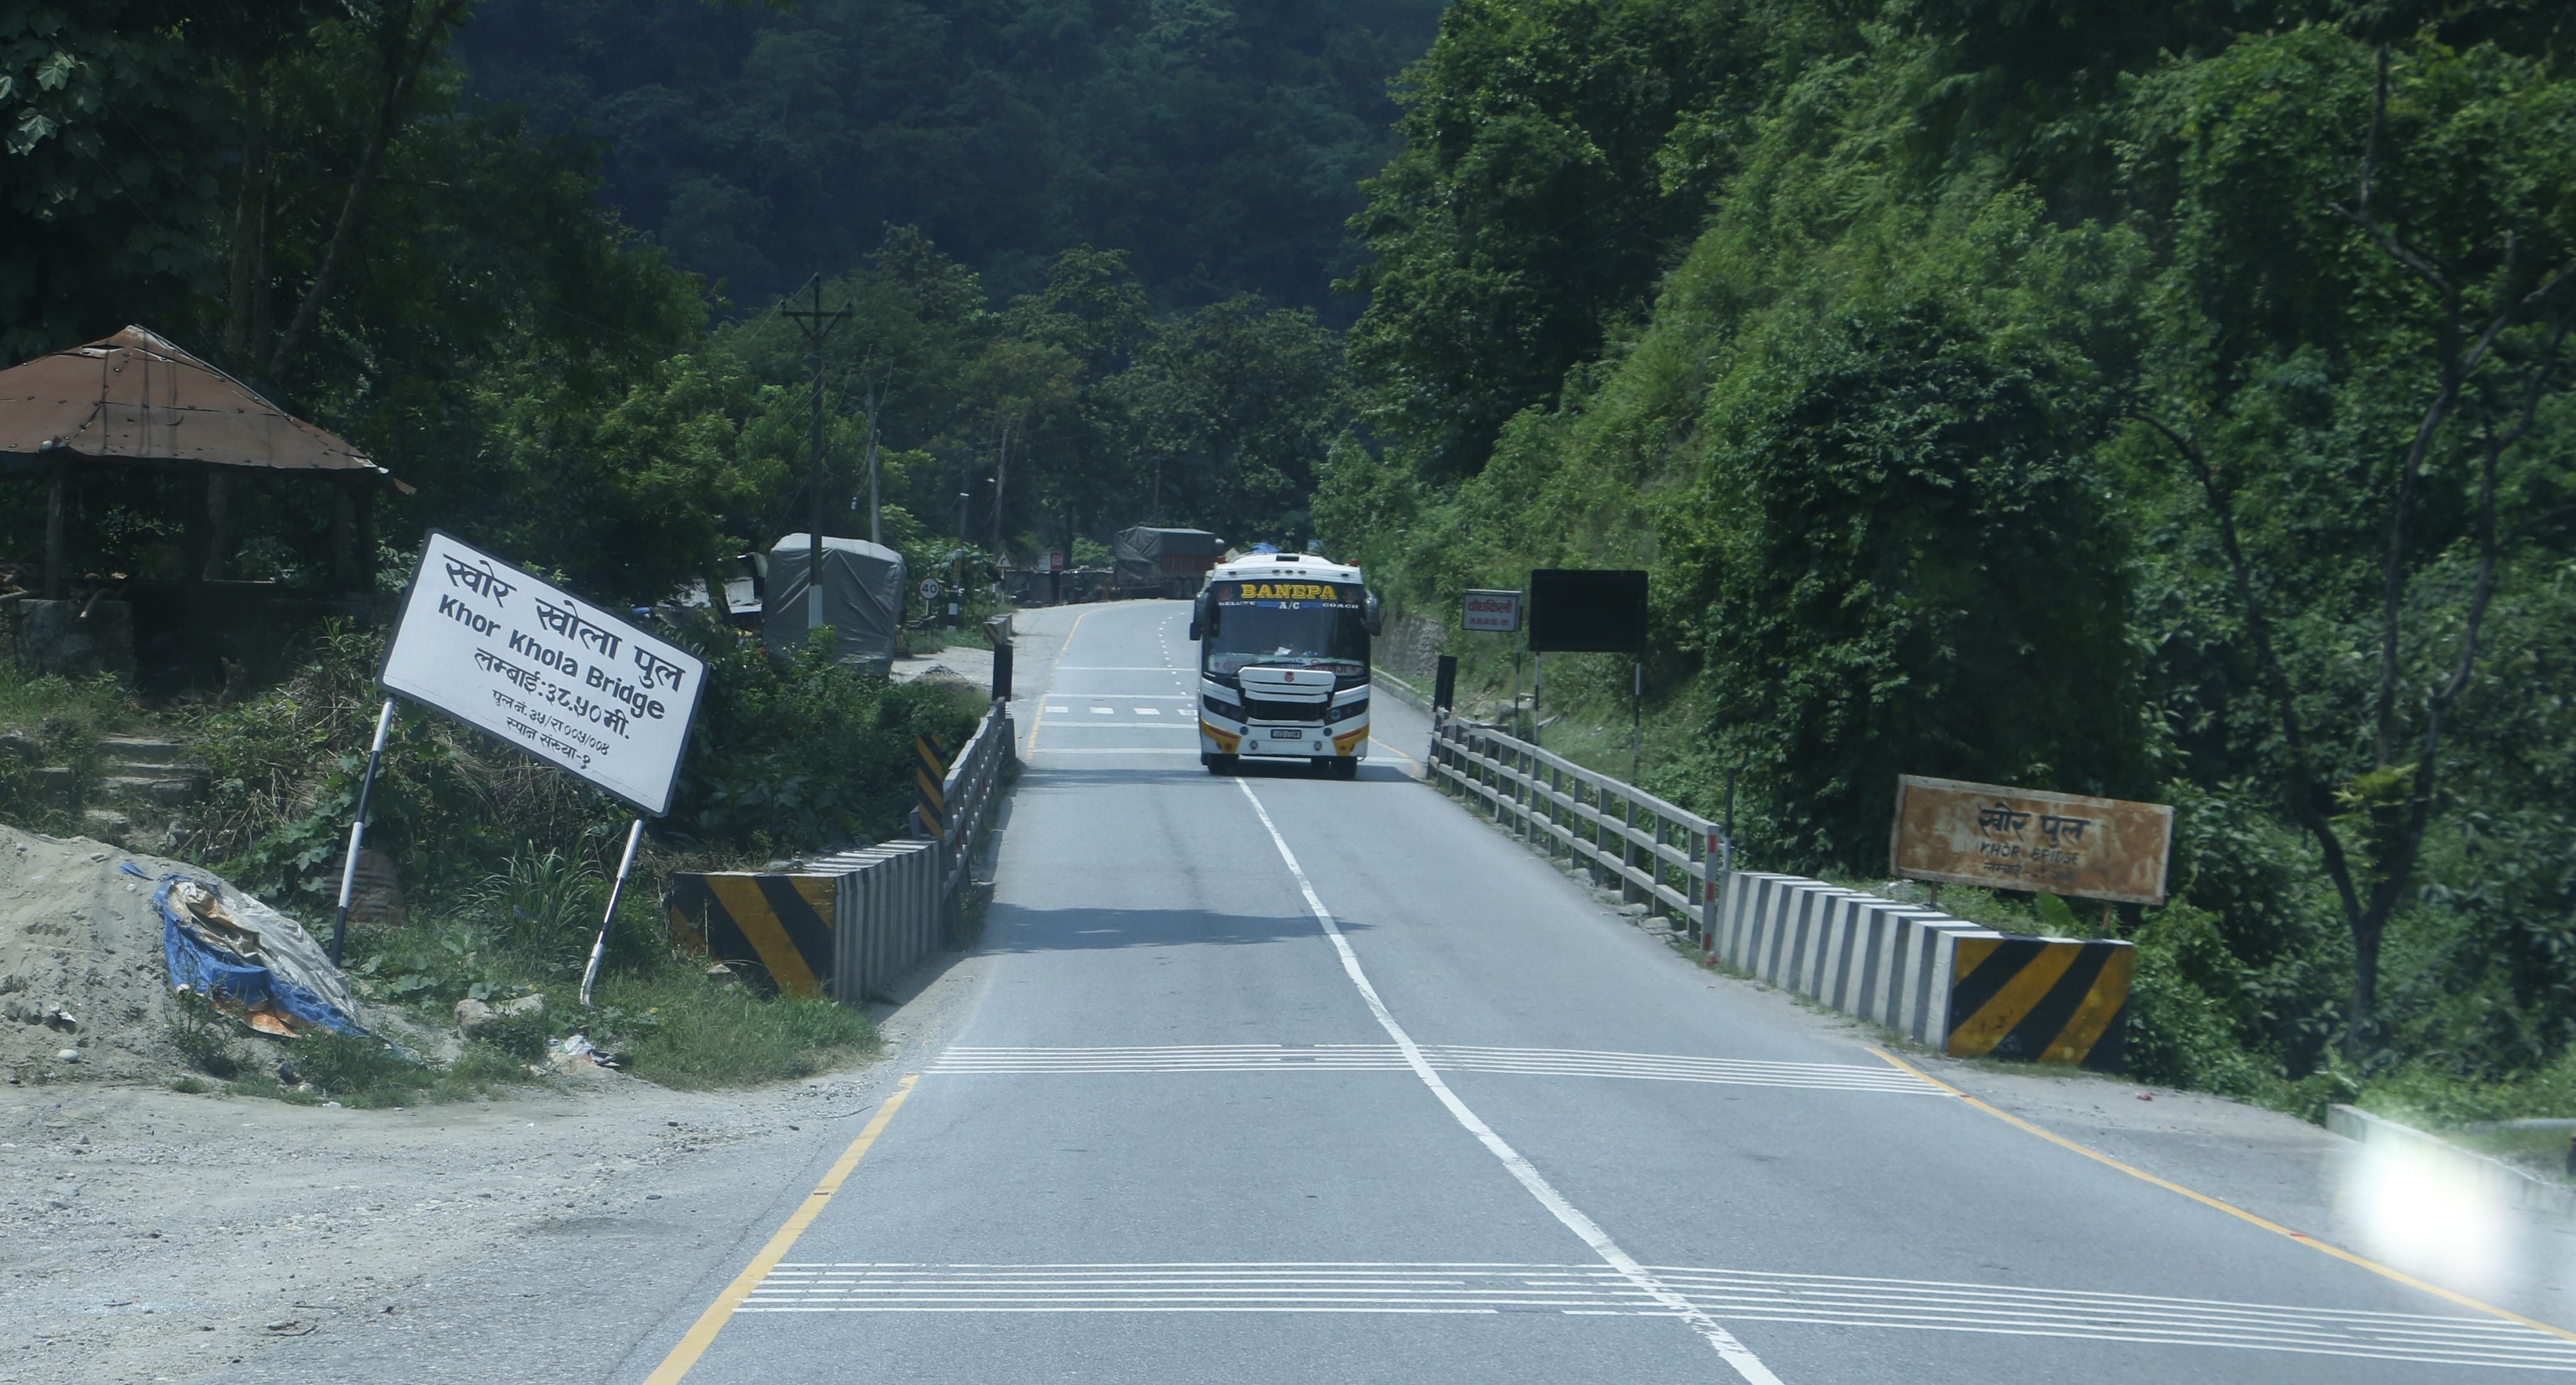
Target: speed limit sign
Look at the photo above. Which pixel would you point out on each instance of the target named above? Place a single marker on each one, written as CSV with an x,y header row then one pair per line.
x,y
930,589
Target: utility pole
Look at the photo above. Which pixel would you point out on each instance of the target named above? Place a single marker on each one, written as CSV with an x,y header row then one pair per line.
x,y
876,530
1001,473
957,569
816,324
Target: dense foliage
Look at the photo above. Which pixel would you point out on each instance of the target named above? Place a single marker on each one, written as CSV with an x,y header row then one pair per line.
x,y
784,758
2168,402
401,221
1218,145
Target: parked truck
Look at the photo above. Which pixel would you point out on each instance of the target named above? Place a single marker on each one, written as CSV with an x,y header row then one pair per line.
x,y
1163,562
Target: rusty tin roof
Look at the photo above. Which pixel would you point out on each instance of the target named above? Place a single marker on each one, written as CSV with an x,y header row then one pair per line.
x,y
135,397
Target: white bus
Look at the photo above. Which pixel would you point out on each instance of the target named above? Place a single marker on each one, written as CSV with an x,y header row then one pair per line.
x,y
1284,662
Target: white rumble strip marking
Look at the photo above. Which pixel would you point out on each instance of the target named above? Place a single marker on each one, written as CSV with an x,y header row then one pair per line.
x,y
1526,1062
1594,1290
1733,1352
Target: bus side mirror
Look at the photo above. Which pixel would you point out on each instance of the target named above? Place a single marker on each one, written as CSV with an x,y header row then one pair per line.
x,y
1372,615
1202,616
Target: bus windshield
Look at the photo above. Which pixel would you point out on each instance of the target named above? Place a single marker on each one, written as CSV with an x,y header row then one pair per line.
x,y
1325,634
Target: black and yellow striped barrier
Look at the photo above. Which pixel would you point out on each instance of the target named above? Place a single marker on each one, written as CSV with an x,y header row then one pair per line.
x,y
779,922
929,780
2040,1000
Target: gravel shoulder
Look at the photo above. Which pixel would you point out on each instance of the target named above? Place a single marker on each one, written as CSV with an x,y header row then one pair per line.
x,y
147,1235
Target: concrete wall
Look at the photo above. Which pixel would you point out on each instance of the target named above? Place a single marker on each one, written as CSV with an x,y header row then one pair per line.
x,y
2431,1155
1949,985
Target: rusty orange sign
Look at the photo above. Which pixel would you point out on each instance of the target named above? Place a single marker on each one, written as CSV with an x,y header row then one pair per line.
x,y
2030,839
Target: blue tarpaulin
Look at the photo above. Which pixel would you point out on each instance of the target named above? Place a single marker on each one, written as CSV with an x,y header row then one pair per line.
x,y
247,953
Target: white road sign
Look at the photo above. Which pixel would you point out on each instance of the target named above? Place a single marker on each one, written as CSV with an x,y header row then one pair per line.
x,y
1492,610
930,589
563,680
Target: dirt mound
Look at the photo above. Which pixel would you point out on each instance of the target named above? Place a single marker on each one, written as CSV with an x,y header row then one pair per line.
x,y
81,963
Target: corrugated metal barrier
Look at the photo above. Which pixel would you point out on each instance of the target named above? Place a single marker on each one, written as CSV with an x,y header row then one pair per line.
x,y
1967,991
846,925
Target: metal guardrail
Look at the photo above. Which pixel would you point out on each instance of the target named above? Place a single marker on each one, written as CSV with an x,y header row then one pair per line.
x,y
1403,690
1672,859
973,798
846,925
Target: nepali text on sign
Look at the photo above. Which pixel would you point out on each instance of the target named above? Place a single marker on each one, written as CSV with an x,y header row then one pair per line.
x,y
1498,611
2029,839
497,648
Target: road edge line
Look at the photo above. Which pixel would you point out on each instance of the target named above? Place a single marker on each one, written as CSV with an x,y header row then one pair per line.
x,y
702,1333
2303,1238
1038,722
1391,750
1730,1349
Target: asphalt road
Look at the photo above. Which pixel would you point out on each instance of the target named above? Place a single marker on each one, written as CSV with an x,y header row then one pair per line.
x,y
1277,1078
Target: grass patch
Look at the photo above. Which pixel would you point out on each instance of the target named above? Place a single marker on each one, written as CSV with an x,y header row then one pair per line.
x,y
352,1066
367,1073
2543,1153
704,1035
53,722
96,705
528,929
352,1069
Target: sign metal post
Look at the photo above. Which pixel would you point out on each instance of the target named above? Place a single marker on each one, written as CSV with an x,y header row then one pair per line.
x,y
1498,612
599,945
506,652
358,832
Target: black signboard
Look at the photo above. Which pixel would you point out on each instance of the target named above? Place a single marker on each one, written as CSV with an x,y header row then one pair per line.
x,y
1580,610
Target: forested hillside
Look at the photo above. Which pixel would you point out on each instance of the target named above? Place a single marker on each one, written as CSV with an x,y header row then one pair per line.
x,y
529,256
1219,146
2164,401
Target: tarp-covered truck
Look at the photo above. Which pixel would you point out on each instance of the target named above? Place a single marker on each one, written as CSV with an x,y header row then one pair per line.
x,y
863,592
1164,562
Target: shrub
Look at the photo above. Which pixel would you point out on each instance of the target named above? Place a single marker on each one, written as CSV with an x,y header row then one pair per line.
x,y
354,1065
204,1035
804,753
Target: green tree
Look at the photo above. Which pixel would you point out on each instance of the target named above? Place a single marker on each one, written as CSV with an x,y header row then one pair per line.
x,y
1234,407
1218,145
2361,367
107,151
1557,154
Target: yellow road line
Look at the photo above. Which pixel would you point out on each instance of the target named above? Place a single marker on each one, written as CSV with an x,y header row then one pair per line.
x,y
1039,720
2239,1213
702,1333
1391,750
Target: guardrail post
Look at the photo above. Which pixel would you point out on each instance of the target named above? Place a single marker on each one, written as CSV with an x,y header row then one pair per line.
x,y
1628,853
1713,873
